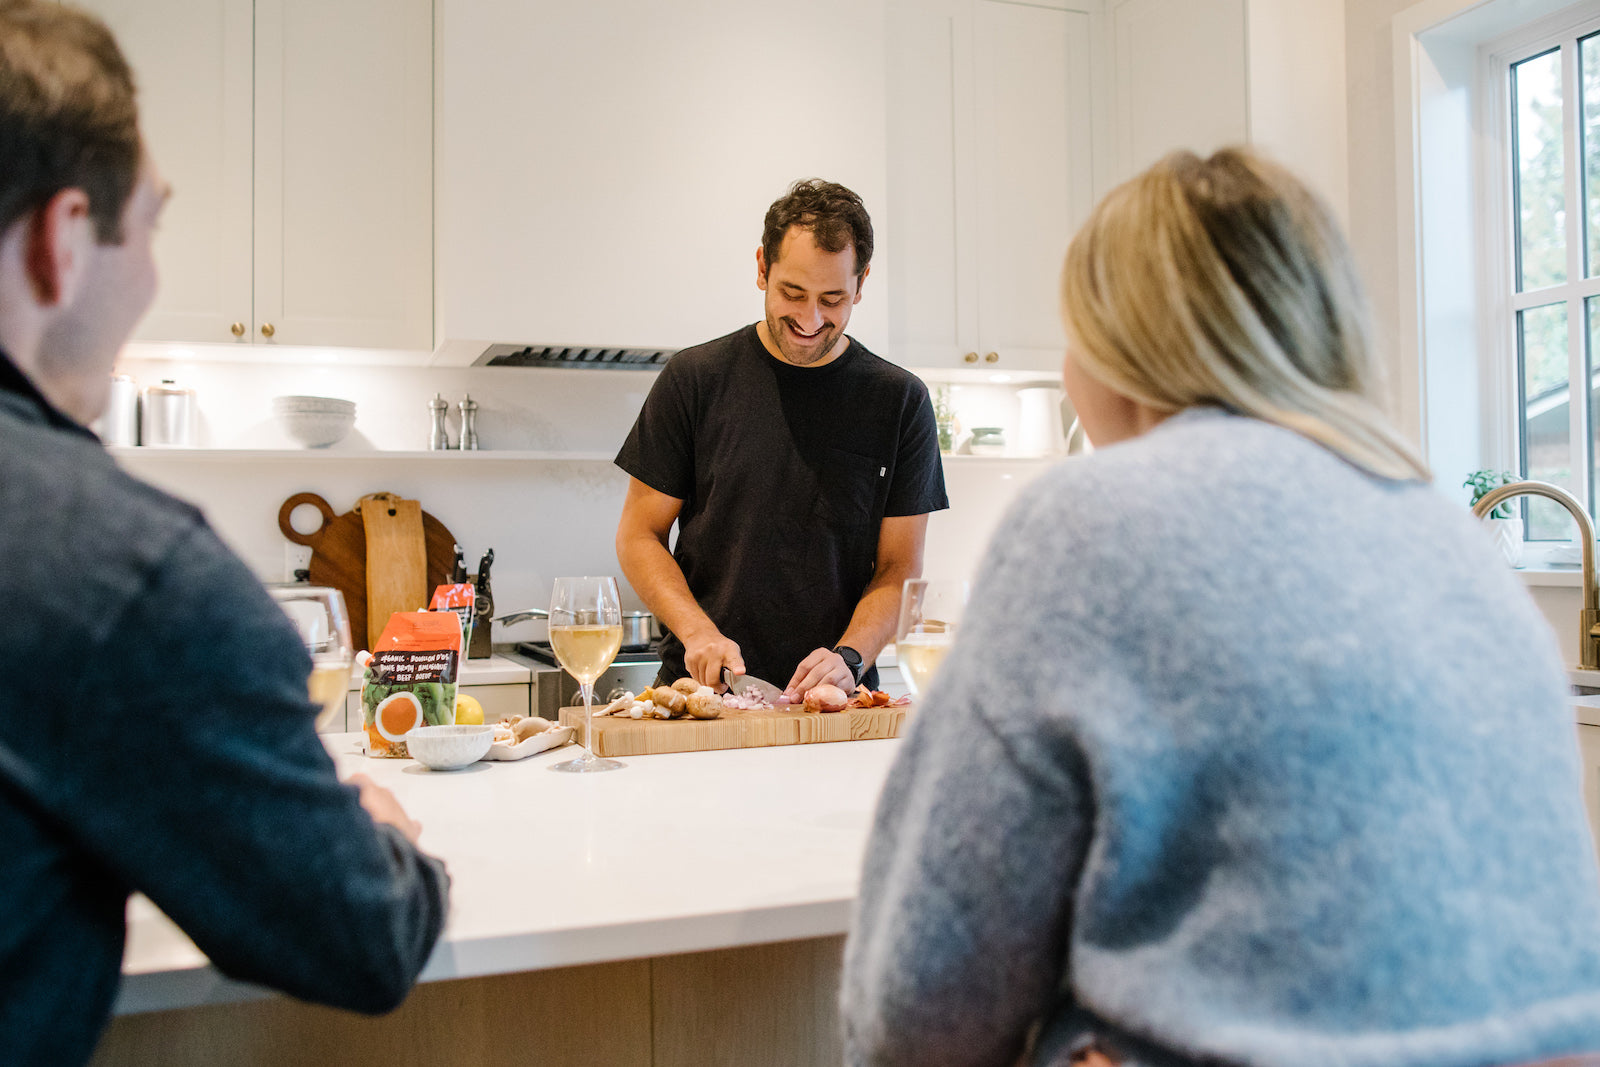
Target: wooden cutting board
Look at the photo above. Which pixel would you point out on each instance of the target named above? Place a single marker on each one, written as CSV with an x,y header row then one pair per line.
x,y
339,555
735,729
397,565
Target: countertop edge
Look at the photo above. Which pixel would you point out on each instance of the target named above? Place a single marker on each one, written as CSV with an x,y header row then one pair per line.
x,y
203,985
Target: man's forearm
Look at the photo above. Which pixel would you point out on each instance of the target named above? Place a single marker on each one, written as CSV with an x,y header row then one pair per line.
x,y
872,623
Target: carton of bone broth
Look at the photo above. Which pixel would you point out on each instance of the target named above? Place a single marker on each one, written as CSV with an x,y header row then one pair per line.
x,y
410,680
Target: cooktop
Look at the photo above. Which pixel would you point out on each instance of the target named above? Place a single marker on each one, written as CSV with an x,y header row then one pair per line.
x,y
541,651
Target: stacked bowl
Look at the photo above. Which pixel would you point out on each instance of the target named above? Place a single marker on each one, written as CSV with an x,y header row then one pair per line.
x,y
315,421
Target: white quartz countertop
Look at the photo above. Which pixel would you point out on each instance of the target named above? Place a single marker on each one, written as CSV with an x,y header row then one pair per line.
x,y
676,853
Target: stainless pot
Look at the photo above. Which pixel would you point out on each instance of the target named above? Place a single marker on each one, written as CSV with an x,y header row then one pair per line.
x,y
639,629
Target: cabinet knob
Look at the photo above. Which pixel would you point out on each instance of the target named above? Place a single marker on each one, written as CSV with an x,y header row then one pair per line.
x,y
992,357
237,329
970,357
267,329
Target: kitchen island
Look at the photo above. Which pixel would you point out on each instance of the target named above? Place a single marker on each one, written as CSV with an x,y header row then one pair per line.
x,y
687,909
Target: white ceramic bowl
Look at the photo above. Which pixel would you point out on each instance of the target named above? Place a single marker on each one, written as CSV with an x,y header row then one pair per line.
x,y
449,748
315,421
313,403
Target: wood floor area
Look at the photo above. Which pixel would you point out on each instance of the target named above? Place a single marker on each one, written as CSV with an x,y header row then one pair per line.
x,y
774,1005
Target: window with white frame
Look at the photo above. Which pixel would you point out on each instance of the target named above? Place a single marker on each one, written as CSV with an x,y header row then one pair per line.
x,y
1548,280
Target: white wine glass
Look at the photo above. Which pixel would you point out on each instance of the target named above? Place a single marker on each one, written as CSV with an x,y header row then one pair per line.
x,y
586,632
930,614
319,615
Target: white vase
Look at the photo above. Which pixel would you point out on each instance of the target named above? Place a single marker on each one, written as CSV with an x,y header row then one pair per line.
x,y
1508,536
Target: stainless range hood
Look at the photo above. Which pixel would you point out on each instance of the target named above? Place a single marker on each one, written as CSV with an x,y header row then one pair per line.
x,y
574,356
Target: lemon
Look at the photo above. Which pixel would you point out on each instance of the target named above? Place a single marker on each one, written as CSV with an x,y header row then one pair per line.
x,y
468,711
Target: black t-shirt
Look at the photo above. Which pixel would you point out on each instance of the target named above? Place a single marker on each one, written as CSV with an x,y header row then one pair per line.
x,y
785,474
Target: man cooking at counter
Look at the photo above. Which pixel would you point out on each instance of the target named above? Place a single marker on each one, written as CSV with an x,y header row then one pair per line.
x,y
799,467
156,734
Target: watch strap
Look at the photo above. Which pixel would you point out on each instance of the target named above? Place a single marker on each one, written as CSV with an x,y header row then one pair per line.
x,y
852,659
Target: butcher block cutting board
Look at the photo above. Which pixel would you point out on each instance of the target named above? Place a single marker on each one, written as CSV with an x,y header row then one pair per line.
x,y
339,558
735,729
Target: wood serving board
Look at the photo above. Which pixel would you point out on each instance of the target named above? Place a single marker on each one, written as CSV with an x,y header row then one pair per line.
x,y
735,729
339,554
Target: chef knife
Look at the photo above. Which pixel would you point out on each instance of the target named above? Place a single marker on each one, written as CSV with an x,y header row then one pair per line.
x,y
745,685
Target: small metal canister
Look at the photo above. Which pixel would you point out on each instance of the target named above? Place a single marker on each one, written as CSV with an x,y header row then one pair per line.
x,y
167,415
119,425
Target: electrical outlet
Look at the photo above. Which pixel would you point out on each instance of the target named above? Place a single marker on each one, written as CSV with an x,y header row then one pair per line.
x,y
295,558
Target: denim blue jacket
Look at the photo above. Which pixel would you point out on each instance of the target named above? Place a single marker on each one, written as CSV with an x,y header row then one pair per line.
x,y
155,735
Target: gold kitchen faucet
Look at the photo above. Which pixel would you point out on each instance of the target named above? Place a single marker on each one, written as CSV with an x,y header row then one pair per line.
x,y
1589,613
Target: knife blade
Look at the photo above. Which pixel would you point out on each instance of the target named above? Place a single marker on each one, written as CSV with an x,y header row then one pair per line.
x,y
743,684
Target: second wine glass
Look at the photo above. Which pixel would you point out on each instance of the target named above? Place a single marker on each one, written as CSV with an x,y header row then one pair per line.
x,y
930,612
585,633
318,613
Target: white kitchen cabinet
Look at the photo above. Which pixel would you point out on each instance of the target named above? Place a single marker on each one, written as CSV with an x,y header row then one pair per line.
x,y
1181,79
604,167
297,135
1201,74
992,130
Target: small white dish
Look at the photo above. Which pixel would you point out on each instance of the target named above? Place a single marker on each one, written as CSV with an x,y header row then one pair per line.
x,y
449,748
554,737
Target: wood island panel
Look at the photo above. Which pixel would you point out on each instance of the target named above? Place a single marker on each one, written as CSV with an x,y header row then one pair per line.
x,y
773,1004
568,1017
760,1004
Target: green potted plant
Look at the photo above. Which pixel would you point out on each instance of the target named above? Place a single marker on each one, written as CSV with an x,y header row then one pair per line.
x,y
1507,529
944,416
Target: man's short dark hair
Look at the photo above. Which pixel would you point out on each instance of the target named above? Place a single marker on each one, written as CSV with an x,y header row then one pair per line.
x,y
835,216
67,114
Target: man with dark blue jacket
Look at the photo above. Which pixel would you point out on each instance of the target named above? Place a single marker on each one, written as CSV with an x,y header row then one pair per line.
x,y
155,734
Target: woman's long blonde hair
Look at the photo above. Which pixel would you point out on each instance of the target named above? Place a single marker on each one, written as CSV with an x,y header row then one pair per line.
x,y
1225,282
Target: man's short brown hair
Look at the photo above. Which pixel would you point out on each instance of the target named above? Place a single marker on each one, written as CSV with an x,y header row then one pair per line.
x,y
835,216
67,114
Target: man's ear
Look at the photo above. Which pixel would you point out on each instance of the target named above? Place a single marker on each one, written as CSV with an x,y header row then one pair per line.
x,y
761,268
859,283
59,237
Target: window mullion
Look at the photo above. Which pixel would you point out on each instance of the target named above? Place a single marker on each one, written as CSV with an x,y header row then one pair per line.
x,y
1577,371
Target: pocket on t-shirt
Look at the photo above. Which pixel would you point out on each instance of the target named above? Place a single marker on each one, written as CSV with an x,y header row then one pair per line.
x,y
851,487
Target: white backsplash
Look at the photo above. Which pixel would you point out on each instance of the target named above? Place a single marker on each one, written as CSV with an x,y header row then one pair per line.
x,y
543,518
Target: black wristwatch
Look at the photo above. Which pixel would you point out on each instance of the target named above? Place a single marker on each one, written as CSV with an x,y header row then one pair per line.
x,y
852,659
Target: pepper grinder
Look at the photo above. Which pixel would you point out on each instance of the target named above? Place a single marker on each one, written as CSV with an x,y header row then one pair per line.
x,y
439,437
469,424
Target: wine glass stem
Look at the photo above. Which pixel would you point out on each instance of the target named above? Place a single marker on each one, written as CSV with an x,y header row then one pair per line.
x,y
588,718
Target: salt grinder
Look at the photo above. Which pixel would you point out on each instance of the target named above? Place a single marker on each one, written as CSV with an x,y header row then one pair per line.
x,y
469,424
439,436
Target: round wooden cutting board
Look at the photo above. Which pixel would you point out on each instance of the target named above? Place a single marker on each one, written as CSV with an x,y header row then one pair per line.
x,y
339,555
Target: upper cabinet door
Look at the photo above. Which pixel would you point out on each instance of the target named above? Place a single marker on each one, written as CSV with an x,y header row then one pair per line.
x,y
992,123
604,167
1182,80
344,172
1034,158
192,65
298,139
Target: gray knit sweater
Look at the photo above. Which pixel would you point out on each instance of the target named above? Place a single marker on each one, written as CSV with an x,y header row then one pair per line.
x,y
1242,756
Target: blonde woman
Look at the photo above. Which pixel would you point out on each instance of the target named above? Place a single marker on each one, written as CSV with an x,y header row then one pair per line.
x,y
1251,750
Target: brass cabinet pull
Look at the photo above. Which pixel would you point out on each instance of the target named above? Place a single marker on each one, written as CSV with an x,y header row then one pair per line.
x,y
970,357
237,329
267,329
992,357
